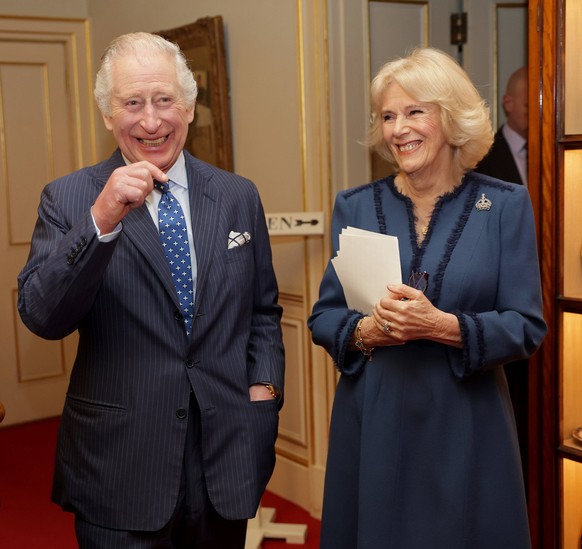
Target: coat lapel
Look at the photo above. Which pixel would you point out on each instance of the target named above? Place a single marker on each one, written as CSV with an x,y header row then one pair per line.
x,y
204,208
139,228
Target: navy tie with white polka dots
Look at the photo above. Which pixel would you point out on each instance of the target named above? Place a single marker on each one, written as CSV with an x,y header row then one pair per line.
x,y
174,237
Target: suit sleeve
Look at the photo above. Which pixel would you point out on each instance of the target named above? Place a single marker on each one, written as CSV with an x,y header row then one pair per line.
x,y
266,358
515,328
63,273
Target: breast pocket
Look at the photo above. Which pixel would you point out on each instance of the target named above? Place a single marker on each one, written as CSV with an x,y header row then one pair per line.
x,y
239,253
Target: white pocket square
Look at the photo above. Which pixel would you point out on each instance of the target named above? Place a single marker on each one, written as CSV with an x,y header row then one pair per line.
x,y
236,239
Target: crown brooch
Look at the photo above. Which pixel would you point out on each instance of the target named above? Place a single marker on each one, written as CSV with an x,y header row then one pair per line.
x,y
483,204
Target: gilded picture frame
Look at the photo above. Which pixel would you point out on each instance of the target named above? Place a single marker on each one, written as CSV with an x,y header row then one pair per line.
x,y
209,136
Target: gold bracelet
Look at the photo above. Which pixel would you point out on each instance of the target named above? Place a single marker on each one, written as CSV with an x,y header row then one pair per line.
x,y
366,351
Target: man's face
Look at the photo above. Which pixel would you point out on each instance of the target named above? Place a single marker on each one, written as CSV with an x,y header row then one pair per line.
x,y
149,119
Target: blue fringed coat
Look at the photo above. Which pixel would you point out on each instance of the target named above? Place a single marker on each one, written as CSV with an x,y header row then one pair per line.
x,y
423,448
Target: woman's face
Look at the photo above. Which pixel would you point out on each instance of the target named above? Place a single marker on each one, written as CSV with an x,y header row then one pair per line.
x,y
414,134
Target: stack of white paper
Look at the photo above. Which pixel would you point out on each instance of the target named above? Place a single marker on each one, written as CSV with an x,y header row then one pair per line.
x,y
366,263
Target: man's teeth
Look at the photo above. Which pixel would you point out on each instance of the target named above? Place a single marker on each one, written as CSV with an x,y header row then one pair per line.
x,y
153,142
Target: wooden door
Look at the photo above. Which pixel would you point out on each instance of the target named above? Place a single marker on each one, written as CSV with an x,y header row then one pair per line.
x,y
46,129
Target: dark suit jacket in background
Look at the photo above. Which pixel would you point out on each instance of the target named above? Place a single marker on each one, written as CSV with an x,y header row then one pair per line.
x,y
121,442
499,162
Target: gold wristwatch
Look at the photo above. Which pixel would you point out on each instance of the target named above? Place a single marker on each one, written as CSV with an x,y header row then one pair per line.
x,y
273,390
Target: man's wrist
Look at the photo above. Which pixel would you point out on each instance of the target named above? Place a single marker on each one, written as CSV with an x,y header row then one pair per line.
x,y
108,236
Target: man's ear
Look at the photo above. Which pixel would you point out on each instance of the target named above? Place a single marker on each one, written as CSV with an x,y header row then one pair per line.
x,y
107,121
191,113
507,102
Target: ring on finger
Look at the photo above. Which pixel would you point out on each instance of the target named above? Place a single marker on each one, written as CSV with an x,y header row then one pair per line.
x,y
386,328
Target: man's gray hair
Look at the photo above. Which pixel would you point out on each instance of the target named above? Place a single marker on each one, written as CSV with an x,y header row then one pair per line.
x,y
141,45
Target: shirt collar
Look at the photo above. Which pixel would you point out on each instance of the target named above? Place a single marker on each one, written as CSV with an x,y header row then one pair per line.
x,y
514,140
177,173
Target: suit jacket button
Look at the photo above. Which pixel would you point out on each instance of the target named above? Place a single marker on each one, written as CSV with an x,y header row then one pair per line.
x,y
178,315
189,363
70,260
181,413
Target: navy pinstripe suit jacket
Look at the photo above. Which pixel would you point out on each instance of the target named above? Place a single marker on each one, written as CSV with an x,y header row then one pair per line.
x,y
121,441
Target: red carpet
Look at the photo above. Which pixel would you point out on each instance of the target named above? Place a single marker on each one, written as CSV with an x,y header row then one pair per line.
x,y
28,519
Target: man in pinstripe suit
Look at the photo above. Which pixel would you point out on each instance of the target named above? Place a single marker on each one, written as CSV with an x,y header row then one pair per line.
x,y
166,439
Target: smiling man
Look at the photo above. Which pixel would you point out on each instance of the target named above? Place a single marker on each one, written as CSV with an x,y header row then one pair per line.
x,y
168,429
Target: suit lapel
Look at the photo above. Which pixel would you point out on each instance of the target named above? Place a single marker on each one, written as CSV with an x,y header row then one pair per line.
x,y
204,211
510,168
139,228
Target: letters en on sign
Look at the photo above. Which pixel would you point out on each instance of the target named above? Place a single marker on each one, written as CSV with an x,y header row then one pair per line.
x,y
295,223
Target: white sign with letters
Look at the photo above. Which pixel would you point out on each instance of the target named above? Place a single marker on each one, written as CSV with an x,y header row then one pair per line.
x,y
295,223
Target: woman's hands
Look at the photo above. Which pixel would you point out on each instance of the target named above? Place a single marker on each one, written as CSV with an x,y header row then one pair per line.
x,y
406,314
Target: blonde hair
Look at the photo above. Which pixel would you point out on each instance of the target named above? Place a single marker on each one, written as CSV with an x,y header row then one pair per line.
x,y
429,75
141,45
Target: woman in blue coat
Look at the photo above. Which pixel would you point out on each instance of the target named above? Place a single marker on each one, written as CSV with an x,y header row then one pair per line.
x,y
423,448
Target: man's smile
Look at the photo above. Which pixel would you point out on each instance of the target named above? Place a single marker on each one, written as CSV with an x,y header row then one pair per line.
x,y
153,142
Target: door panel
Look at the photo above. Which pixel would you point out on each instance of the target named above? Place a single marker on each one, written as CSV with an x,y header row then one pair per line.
x,y
46,130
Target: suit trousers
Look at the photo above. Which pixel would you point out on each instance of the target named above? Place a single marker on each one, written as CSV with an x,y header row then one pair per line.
x,y
194,524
